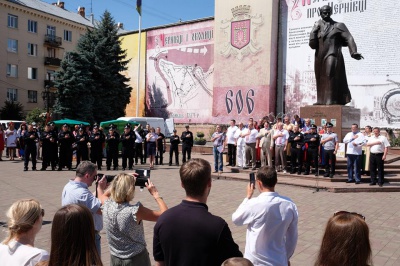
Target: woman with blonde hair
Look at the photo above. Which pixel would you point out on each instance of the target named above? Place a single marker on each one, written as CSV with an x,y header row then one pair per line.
x,y
72,238
25,219
123,221
346,241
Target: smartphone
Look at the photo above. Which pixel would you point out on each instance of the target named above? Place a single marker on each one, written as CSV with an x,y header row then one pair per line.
x,y
141,179
252,179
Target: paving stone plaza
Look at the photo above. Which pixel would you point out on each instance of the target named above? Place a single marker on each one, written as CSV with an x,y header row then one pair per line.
x,y
381,209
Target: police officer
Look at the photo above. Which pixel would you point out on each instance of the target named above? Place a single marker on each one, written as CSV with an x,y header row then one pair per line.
x,y
313,140
187,144
161,146
112,140
174,139
81,142
96,140
296,140
48,139
138,144
65,139
54,145
31,137
329,141
128,144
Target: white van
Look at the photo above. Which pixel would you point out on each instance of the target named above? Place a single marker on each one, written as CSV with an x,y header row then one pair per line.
x,y
166,126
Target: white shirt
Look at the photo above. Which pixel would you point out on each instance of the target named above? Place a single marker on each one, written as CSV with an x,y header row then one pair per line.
x,y
252,138
381,147
281,140
240,140
351,149
271,235
230,134
16,253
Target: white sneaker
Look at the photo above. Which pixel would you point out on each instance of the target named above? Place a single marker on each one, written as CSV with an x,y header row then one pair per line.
x,y
284,171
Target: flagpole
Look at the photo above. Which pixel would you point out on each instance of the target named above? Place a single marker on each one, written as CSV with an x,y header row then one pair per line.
x,y
138,74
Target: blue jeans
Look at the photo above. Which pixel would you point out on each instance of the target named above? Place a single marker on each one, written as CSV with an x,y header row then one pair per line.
x,y
97,239
217,160
354,165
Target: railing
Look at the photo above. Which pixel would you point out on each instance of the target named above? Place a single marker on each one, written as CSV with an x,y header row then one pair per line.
x,y
52,40
52,61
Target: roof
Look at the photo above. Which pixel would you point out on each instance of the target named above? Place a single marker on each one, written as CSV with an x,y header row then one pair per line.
x,y
53,10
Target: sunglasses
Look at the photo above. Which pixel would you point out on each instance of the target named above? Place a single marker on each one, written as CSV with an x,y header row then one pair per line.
x,y
42,212
353,213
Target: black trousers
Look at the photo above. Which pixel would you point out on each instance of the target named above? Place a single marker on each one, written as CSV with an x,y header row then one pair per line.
x,y
82,154
296,159
139,152
96,157
48,154
376,162
174,149
312,155
32,152
65,157
159,154
127,155
186,149
329,155
112,156
232,154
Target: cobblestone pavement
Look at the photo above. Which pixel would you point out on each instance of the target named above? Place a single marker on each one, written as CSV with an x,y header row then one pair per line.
x,y
381,210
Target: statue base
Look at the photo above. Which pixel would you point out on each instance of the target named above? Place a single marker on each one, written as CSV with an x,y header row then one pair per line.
x,y
342,117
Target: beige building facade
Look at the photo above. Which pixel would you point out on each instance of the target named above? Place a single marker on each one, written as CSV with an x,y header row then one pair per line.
x,y
35,36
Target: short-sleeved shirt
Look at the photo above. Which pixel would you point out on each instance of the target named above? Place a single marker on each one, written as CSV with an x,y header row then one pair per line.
x,y
230,134
219,141
330,144
381,147
16,253
78,193
125,236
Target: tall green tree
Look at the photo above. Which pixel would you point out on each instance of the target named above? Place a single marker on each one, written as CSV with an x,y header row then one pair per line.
x,y
99,82
12,111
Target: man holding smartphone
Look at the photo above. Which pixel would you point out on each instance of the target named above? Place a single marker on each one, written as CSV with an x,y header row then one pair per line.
x,y
271,221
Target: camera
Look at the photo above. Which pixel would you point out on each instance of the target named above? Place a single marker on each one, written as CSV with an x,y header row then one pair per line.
x,y
252,178
109,178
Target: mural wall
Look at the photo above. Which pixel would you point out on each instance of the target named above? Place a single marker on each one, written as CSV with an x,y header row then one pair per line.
x,y
245,59
374,82
180,70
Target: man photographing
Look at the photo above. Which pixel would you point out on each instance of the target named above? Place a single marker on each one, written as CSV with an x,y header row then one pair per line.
x,y
271,221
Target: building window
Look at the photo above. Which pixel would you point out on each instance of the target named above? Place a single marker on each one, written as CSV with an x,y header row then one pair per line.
x,y
51,52
50,75
32,73
12,21
51,30
12,95
12,70
68,35
32,49
32,26
32,96
12,45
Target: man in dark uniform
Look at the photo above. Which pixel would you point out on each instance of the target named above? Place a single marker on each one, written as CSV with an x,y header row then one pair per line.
x,y
82,150
296,140
65,139
54,145
313,140
128,145
187,144
112,140
96,140
48,139
31,137
174,147
161,146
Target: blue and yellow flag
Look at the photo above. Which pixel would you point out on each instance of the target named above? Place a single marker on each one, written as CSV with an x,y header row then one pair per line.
x,y
139,6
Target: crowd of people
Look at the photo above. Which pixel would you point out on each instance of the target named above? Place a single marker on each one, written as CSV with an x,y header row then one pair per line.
x,y
186,234
298,146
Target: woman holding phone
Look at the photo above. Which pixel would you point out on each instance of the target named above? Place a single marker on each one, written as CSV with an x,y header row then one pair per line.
x,y
123,221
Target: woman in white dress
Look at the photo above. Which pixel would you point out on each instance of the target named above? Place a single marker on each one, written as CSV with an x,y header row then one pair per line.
x,y
25,219
11,143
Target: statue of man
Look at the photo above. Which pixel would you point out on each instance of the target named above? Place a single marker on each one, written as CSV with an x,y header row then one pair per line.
x,y
327,38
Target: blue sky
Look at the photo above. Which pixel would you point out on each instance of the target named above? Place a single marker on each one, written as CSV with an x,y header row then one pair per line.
x,y
154,12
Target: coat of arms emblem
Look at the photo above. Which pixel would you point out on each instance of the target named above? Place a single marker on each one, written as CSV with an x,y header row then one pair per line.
x,y
241,41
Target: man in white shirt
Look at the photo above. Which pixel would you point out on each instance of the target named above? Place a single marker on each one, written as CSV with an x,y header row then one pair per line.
x,y
280,137
240,146
354,141
378,151
271,221
230,139
250,138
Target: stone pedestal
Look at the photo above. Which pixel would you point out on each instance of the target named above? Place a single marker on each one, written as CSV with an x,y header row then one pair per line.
x,y
344,116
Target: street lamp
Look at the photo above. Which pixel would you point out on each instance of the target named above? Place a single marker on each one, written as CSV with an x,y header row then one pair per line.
x,y
46,97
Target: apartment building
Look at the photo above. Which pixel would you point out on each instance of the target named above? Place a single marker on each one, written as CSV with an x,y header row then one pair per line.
x,y
34,37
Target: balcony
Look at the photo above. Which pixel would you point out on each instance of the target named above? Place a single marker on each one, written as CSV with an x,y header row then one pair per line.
x,y
49,83
52,40
52,61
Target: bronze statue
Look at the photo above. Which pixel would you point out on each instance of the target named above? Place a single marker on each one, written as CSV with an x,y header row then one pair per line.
x,y
327,38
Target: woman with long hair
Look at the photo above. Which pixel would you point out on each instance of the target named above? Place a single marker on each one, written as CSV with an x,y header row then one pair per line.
x,y
345,242
72,238
20,140
123,221
151,139
11,134
25,219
